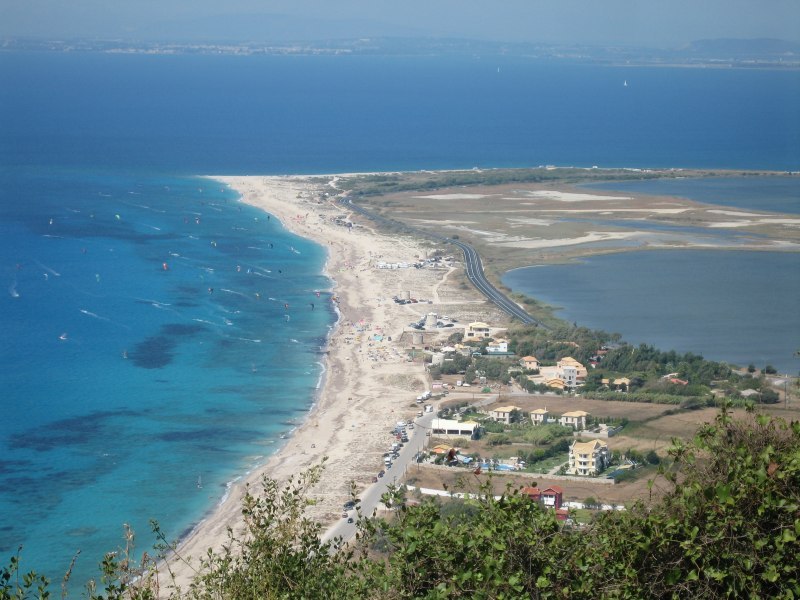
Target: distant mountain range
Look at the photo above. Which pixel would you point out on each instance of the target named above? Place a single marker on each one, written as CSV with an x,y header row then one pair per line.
x,y
752,53
761,47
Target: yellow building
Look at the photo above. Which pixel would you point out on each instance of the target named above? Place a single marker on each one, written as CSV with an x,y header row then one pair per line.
x,y
477,330
568,361
529,362
588,458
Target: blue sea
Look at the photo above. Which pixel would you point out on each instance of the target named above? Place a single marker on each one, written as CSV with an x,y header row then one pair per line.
x,y
158,334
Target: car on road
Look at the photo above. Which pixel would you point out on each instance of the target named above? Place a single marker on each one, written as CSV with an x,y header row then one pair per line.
x,y
344,515
374,480
349,519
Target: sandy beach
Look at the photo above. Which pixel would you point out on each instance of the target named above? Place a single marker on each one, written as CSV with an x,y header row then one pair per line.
x,y
369,384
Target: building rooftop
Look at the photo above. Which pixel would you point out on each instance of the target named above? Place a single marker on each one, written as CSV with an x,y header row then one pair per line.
x,y
507,409
576,413
587,447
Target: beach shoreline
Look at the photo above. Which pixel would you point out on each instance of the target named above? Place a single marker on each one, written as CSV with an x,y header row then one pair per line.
x,y
367,383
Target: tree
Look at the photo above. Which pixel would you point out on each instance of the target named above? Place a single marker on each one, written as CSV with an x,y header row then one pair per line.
x,y
728,526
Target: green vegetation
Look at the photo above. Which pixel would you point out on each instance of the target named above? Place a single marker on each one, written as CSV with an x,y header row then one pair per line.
x,y
729,526
379,184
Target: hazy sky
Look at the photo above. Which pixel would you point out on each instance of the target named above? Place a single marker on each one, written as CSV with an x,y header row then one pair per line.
x,y
636,22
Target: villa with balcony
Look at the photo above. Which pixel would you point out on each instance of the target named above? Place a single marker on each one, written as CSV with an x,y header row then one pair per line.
x,y
588,458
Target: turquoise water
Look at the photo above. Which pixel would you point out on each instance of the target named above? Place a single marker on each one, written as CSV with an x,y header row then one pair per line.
x,y
146,349
109,148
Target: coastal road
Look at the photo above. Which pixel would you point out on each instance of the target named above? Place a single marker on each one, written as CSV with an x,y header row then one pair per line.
x,y
474,269
472,264
371,497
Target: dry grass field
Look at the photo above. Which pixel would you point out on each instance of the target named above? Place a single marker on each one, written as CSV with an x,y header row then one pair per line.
x,y
519,224
465,480
650,427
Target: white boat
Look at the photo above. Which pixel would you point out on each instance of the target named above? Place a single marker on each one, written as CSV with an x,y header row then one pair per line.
x,y
199,482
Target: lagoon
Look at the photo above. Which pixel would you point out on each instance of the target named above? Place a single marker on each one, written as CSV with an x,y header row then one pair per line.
x,y
733,306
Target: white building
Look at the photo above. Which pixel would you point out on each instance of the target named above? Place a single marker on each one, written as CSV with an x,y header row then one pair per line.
x,y
502,414
476,331
446,427
539,416
497,347
575,419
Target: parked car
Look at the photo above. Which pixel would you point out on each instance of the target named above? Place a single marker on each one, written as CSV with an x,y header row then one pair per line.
x,y
381,473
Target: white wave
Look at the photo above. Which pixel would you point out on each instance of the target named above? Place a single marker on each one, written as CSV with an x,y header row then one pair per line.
x,y
204,321
89,313
294,341
48,269
233,292
249,340
151,301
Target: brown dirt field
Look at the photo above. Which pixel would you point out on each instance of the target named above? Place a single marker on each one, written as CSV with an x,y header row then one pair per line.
x,y
464,479
633,411
507,223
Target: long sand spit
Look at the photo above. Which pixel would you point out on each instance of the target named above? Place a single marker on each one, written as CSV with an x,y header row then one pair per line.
x,y
368,384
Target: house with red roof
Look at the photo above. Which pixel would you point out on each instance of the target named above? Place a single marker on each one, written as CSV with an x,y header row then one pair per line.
x,y
551,497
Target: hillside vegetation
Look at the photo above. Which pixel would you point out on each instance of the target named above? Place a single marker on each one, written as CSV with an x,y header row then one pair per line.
x,y
729,527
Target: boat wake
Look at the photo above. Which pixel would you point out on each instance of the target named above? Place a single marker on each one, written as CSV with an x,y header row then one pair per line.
x,y
89,313
48,269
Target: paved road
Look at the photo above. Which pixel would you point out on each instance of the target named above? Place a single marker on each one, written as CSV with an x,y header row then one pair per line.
x,y
371,497
472,265
474,269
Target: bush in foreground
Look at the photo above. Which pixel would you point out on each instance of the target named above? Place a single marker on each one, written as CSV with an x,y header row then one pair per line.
x,y
728,527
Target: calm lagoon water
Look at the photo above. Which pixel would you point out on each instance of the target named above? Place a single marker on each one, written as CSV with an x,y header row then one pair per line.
x,y
738,307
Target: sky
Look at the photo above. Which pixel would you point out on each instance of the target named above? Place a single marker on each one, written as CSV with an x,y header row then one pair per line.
x,y
659,23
